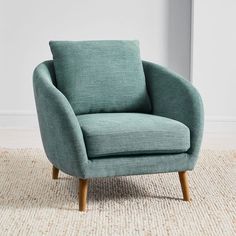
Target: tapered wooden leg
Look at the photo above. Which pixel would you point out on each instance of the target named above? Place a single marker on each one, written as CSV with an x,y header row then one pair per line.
x,y
83,189
183,177
55,172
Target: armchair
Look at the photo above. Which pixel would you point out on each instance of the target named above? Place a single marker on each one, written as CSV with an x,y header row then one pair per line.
x,y
122,143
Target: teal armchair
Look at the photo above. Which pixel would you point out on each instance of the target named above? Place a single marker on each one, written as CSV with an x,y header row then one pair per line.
x,y
166,137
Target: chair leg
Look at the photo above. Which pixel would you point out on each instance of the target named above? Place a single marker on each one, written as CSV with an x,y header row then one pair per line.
x,y
83,189
55,172
183,177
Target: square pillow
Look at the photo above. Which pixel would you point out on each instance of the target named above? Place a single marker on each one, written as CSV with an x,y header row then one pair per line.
x,y
101,76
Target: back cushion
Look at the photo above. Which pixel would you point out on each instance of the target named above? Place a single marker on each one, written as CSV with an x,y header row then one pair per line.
x,y
101,76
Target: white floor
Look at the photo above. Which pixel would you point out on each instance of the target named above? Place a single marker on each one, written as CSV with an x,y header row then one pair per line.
x,y
30,138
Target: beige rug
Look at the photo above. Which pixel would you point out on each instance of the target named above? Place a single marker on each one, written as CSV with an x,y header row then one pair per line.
x,y
31,203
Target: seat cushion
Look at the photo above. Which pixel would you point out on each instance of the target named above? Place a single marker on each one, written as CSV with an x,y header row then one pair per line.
x,y
116,134
101,76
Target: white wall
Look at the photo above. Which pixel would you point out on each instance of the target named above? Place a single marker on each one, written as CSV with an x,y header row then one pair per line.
x,y
26,26
214,64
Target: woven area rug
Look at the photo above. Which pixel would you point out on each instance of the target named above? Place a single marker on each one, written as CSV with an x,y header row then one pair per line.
x,y
31,203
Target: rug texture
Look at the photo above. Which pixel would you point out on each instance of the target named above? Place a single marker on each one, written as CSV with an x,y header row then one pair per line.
x,y
31,203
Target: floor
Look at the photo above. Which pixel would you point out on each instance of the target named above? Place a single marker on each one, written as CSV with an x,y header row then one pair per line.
x,y
22,138
31,203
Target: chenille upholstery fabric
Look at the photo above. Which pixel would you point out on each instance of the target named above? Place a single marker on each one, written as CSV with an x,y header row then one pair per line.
x,y
101,76
176,98
171,96
117,134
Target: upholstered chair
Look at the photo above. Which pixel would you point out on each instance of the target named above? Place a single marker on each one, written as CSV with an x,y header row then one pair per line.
x,y
104,112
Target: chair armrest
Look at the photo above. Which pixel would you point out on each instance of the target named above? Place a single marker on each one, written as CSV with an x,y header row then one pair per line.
x,y
176,98
60,130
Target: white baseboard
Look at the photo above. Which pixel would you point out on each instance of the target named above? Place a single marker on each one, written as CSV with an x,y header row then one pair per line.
x,y
20,138
219,133
18,120
220,125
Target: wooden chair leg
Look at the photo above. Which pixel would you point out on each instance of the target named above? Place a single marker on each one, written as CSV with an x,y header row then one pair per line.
x,y
55,172
183,177
83,189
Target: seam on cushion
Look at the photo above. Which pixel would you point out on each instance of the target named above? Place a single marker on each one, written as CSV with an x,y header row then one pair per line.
x,y
133,132
144,152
